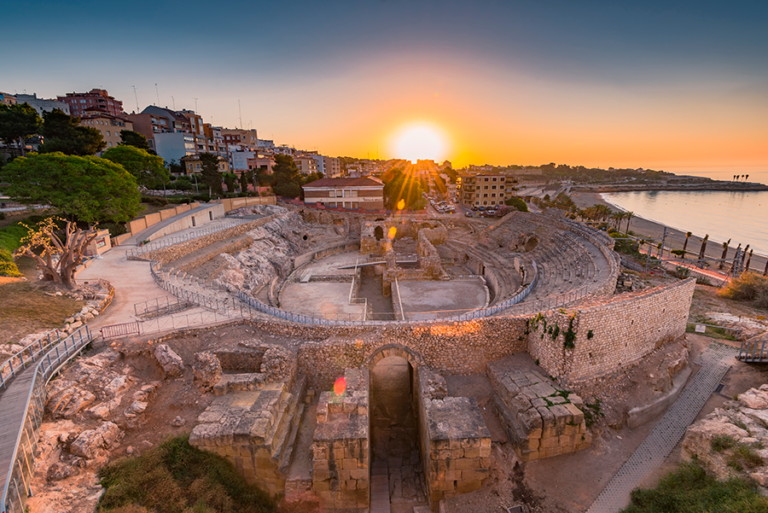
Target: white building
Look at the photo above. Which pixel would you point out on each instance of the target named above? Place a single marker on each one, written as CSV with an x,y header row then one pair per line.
x,y
41,105
174,145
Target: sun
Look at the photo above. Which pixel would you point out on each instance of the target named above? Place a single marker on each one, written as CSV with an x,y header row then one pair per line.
x,y
419,142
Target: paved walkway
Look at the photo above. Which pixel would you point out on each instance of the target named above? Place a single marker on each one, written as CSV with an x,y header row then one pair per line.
x,y
13,403
380,487
715,362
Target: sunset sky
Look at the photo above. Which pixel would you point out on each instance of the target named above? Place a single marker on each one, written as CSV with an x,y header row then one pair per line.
x,y
666,85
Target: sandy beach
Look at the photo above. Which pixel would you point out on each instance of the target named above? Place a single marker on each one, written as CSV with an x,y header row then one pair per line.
x,y
675,238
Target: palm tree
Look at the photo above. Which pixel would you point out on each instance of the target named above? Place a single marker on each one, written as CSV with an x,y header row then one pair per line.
x,y
725,254
629,218
749,260
685,244
703,250
747,177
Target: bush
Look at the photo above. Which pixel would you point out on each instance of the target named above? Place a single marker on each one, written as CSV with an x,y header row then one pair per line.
x,y
7,265
749,287
690,490
517,204
177,478
154,200
115,229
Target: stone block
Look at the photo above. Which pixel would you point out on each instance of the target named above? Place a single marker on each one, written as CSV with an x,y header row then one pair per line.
x,y
468,486
349,464
457,453
320,485
471,453
475,475
485,452
320,465
467,464
469,443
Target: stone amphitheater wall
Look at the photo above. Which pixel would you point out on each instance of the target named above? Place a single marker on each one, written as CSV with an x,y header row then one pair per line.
x,y
171,253
611,334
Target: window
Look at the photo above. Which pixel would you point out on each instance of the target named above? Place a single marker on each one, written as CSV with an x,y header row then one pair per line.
x,y
493,187
494,178
493,195
485,195
108,134
486,179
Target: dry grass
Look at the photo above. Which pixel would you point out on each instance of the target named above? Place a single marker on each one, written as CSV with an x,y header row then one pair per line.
x,y
749,287
177,478
25,309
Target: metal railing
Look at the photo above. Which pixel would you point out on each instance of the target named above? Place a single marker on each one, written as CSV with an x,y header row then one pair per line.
x,y
135,253
160,306
212,303
120,330
16,488
428,317
26,357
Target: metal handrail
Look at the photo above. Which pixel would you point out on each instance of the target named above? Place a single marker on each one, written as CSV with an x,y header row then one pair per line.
x,y
178,239
44,370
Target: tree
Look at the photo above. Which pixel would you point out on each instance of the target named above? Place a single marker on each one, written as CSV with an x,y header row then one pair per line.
x,y
88,189
244,182
57,257
211,174
17,122
285,179
135,139
725,254
230,179
64,134
517,204
685,244
148,170
402,191
629,218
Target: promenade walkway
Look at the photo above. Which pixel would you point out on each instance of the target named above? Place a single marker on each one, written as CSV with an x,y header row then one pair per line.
x,y
22,403
715,362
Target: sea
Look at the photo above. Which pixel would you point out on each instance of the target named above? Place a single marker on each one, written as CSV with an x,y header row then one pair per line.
x,y
739,216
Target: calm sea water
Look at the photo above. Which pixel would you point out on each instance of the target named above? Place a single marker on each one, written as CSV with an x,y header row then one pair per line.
x,y
741,216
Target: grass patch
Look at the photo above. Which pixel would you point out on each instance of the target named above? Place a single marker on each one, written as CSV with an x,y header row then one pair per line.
x,y
177,478
713,332
592,412
690,490
26,310
743,457
721,443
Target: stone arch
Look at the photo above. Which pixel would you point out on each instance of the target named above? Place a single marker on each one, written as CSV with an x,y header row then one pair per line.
x,y
378,233
394,350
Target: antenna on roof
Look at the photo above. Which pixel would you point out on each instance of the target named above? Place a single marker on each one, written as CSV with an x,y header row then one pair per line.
x,y
137,98
240,112
174,102
158,94
195,105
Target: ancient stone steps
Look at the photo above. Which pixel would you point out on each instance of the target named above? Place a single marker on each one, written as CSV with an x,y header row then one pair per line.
x,y
287,424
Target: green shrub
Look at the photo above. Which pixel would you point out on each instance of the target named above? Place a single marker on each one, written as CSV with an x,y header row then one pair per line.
x,y
690,490
749,287
177,478
721,443
517,204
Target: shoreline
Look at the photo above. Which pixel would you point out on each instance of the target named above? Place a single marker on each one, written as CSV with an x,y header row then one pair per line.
x,y
675,237
713,187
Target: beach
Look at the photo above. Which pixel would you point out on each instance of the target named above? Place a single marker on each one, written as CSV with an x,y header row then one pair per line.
x,y
674,239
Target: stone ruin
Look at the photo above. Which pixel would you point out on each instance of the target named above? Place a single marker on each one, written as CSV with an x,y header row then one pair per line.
x,y
341,444
542,419
254,420
455,442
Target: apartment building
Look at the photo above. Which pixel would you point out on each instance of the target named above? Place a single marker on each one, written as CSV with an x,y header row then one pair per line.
x,y
7,99
42,105
95,98
193,165
482,190
366,193
246,139
331,167
107,124
306,164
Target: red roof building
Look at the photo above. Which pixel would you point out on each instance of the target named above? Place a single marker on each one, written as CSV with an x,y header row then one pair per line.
x,y
366,193
95,98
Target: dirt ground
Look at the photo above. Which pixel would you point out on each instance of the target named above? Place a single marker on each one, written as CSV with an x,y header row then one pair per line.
x,y
25,307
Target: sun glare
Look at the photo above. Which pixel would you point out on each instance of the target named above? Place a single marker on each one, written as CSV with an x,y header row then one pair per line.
x,y
417,142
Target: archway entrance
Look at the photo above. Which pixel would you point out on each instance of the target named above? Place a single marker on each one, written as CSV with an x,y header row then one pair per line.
x,y
378,233
395,434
